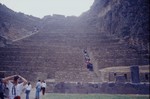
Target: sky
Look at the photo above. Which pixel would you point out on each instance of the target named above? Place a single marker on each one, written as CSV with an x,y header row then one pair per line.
x,y
40,8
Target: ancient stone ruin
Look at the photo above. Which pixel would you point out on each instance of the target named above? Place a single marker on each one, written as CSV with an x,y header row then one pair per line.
x,y
115,34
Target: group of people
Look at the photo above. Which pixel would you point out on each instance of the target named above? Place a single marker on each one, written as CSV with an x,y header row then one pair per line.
x,y
40,86
16,84
87,59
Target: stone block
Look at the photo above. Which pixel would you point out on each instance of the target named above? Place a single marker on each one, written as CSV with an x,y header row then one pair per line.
x,y
135,74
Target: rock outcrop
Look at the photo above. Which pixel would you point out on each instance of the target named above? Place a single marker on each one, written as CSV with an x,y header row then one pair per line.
x,y
15,25
128,20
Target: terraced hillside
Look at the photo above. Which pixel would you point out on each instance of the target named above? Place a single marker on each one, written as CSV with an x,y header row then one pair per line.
x,y
59,55
43,57
55,51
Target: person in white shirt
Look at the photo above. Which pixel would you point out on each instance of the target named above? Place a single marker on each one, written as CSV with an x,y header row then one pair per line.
x,y
43,87
28,89
38,89
15,88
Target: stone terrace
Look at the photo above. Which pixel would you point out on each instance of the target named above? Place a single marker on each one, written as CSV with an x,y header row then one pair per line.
x,y
59,56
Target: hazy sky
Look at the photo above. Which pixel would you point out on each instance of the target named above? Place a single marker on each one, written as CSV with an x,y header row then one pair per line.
x,y
40,8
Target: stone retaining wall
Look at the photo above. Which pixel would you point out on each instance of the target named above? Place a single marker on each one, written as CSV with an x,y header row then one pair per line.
x,y
100,88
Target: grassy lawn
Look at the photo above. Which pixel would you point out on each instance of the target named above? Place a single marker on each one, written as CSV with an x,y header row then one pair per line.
x,y
93,96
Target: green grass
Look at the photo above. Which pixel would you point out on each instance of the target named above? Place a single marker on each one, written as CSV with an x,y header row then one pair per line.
x,y
93,96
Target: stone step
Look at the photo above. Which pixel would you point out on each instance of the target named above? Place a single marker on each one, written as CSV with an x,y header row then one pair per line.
x,y
105,55
29,59
62,59
49,70
48,38
9,49
76,76
56,36
114,55
35,49
17,68
39,52
29,75
69,41
32,53
110,46
42,63
38,47
68,34
41,49
120,62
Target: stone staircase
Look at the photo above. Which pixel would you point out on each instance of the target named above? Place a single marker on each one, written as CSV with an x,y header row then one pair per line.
x,y
75,76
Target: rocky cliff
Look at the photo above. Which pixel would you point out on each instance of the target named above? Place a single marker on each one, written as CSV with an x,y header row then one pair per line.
x,y
15,25
127,19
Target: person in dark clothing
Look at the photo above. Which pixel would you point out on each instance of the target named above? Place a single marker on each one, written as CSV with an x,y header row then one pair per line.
x,y
1,89
43,87
90,66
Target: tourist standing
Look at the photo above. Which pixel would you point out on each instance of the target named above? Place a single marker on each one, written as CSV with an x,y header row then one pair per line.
x,y
15,88
38,89
43,87
28,89
1,89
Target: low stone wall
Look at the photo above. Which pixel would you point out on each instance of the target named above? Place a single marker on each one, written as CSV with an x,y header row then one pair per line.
x,y
100,88
111,74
